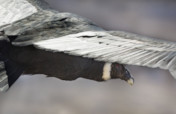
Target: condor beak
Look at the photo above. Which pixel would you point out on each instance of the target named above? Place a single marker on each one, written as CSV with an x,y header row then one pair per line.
x,y
130,81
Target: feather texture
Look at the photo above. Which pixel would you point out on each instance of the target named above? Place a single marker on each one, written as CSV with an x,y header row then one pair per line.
x,y
32,22
14,10
121,47
3,78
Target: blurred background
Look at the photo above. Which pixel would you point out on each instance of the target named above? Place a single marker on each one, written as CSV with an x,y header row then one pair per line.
x,y
154,90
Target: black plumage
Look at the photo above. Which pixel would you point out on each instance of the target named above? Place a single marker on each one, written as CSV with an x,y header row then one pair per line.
x,y
29,60
67,46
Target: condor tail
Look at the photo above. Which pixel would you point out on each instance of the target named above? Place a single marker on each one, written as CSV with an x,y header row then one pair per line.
x,y
9,73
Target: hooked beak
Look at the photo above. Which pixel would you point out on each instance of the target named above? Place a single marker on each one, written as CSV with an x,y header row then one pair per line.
x,y
130,81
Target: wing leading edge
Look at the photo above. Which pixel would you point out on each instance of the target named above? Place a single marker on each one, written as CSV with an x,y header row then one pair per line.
x,y
121,47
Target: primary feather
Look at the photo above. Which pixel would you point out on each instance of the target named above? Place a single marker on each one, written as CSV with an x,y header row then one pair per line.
x,y
118,47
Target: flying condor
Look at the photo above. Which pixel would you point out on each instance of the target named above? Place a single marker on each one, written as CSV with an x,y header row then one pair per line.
x,y
35,39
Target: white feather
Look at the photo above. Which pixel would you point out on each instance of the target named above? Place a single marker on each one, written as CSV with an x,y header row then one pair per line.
x,y
118,47
4,88
14,10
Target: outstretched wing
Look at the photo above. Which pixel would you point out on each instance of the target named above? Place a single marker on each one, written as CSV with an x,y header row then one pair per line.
x,y
32,22
121,47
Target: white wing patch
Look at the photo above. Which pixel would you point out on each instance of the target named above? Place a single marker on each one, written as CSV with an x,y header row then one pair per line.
x,y
103,46
14,10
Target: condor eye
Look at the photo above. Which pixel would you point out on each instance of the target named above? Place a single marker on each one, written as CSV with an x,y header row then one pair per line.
x,y
126,72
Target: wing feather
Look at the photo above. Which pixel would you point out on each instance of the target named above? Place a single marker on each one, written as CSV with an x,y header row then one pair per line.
x,y
121,47
14,10
3,78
